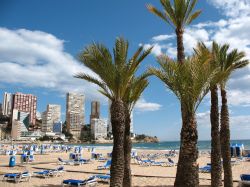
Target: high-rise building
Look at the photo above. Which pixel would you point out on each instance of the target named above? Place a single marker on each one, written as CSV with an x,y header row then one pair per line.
x,y
7,104
51,116
1,109
95,110
26,103
20,123
75,113
98,128
109,119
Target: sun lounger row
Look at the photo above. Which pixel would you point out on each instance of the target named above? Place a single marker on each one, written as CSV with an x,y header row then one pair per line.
x,y
91,181
149,162
25,176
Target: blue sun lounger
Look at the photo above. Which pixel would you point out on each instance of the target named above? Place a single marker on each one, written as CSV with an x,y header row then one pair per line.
x,y
102,178
44,173
205,169
91,181
245,180
65,162
17,177
107,165
50,172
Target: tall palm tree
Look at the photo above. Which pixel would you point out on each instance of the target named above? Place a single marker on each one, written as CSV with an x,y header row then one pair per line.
x,y
190,82
134,92
228,62
216,168
177,16
114,76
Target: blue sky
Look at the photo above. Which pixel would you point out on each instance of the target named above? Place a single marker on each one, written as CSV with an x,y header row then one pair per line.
x,y
40,41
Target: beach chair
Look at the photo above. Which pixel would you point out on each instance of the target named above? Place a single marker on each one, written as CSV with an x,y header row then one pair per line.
x,y
144,162
102,178
245,180
17,177
57,172
205,169
44,173
91,181
107,165
82,161
65,162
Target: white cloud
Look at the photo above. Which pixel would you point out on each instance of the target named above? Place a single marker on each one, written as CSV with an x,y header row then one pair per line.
x,y
232,8
142,105
37,59
233,29
236,122
162,37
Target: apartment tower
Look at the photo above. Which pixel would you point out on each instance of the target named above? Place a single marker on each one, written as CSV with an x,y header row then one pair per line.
x,y
7,104
75,113
95,110
51,116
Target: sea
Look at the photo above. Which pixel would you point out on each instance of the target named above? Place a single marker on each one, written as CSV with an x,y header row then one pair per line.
x,y
170,145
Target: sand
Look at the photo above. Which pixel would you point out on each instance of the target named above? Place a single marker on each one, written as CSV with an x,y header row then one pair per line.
x,y
154,176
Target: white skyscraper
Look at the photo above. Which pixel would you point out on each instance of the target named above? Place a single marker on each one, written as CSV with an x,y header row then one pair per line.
x,y
50,117
7,104
75,113
109,119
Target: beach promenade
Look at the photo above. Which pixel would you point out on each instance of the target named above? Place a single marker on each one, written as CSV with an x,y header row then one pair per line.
x,y
154,176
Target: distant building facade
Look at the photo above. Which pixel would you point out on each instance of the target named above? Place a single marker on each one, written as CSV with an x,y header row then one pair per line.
x,y
26,103
57,127
95,110
51,116
1,109
75,113
20,123
7,104
98,128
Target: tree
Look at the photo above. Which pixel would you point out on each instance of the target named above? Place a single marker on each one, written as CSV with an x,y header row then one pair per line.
x,y
177,16
133,93
190,82
216,168
228,63
114,78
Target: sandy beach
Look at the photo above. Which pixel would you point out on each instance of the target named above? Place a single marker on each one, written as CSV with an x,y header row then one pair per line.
x,y
154,176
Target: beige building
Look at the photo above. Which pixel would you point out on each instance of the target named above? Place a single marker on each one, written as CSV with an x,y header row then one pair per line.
x,y
98,128
16,130
51,116
75,113
95,110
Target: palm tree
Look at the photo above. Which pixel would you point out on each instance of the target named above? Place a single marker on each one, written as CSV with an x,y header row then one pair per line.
x,y
114,76
216,169
177,16
190,82
134,92
228,62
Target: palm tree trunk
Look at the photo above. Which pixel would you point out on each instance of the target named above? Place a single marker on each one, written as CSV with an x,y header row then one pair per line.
x,y
187,170
180,46
127,180
225,141
215,139
118,128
